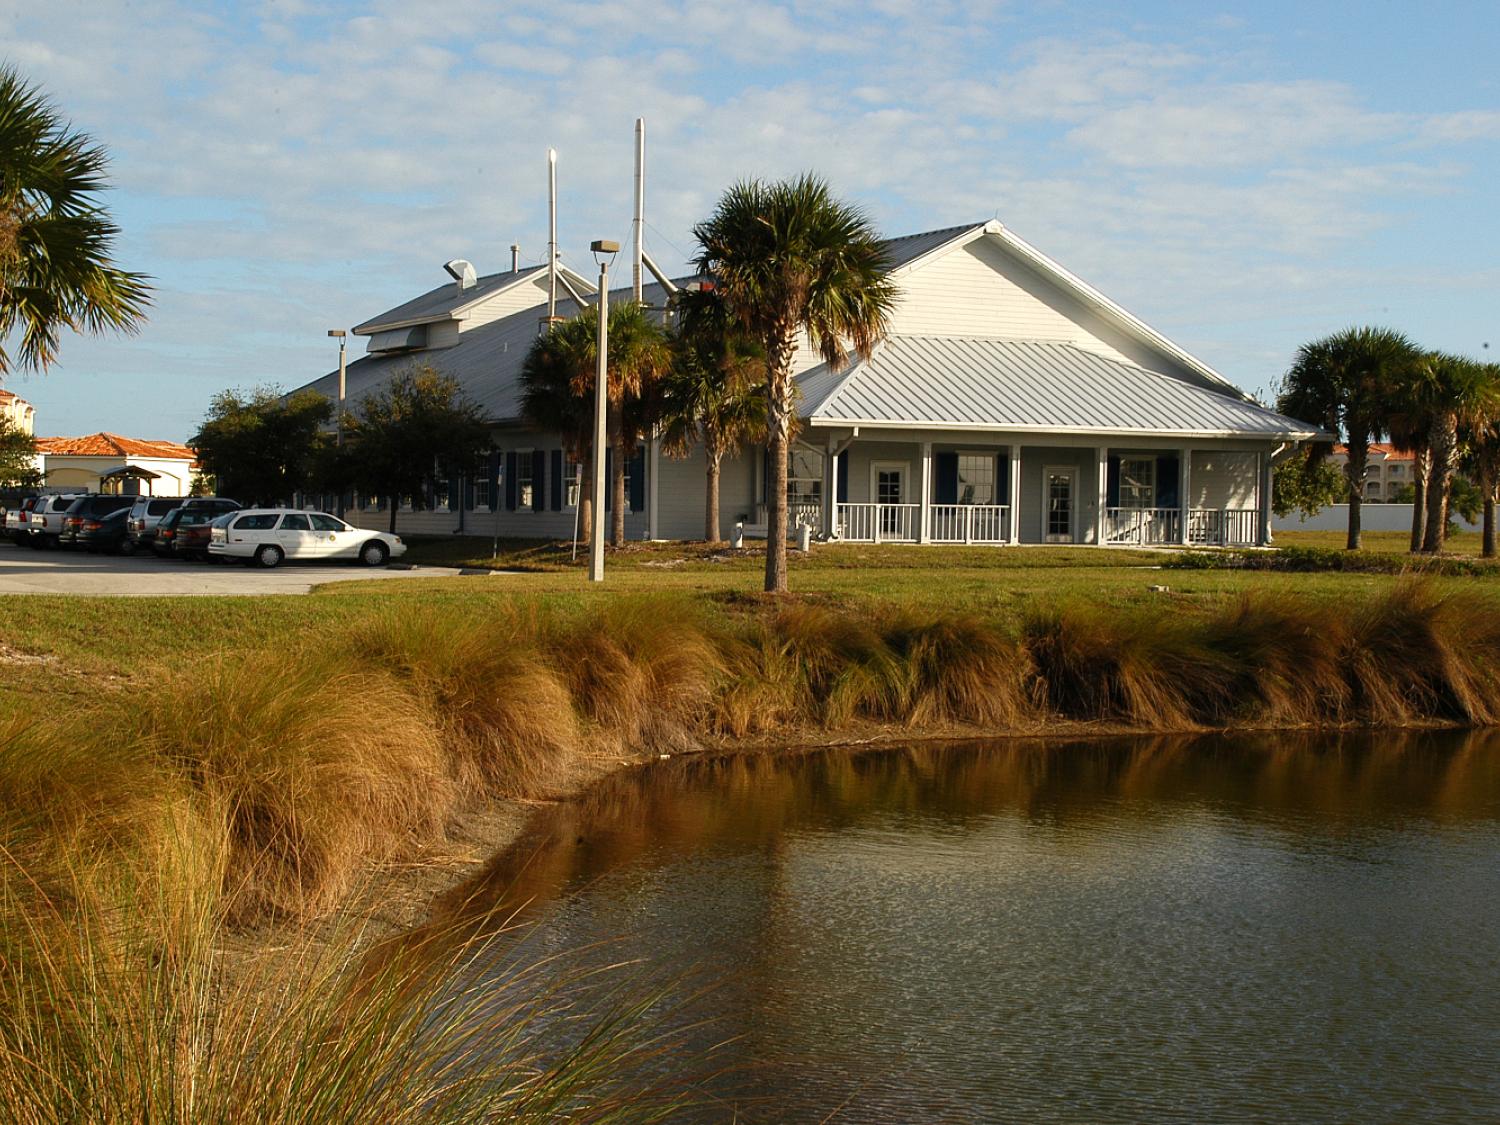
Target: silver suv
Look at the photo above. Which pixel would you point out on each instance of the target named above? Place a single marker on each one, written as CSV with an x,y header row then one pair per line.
x,y
145,514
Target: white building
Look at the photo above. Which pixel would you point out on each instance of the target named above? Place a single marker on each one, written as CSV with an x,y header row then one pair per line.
x,y
106,462
20,412
1387,470
1011,403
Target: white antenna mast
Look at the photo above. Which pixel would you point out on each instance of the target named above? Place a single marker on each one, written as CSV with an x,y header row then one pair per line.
x,y
640,206
551,235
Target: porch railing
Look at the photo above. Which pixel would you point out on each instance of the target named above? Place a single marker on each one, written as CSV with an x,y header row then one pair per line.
x,y
1142,525
805,512
1223,527
879,523
1208,527
969,523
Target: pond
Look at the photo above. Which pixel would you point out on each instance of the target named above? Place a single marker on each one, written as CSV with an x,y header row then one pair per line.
x,y
1247,928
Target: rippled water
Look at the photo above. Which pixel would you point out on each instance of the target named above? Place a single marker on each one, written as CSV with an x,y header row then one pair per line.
x,y
1213,930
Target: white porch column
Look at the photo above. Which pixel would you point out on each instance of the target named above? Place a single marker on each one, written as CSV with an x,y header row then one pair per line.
x,y
1185,487
1265,490
924,516
653,530
1102,497
1013,451
830,487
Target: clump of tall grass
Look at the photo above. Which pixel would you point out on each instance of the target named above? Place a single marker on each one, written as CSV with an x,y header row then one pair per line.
x,y
106,1026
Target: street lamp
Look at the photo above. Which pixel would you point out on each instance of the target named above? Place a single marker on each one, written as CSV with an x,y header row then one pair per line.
x,y
338,433
604,251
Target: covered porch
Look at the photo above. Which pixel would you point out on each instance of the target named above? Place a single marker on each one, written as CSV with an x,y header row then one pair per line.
x,y
947,488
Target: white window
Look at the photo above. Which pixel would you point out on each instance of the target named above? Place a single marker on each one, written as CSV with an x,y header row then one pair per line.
x,y
482,491
523,480
440,494
804,477
574,479
976,478
1137,482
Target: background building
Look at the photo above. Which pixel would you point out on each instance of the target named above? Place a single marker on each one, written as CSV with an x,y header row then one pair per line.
x,y
106,462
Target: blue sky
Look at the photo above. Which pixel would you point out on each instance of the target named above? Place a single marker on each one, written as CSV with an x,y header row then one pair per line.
x,y
1243,176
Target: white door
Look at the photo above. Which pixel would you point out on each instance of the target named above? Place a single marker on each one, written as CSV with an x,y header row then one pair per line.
x,y
294,534
1059,500
888,488
331,536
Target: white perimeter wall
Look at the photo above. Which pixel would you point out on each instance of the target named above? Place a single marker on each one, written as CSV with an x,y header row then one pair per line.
x,y
1373,517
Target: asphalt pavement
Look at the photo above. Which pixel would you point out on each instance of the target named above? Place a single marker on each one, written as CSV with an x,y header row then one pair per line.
x,y
25,570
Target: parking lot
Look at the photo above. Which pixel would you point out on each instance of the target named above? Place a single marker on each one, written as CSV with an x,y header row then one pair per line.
x,y
24,570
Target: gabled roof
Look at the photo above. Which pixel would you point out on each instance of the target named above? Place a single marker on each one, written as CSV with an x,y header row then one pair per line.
x,y
918,249
113,445
446,302
978,383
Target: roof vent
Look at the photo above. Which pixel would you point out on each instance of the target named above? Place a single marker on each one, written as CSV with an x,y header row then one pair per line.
x,y
461,272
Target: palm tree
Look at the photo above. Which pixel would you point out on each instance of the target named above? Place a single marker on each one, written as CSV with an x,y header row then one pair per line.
x,y
1463,394
1481,464
1410,426
554,366
1345,382
558,378
789,259
715,394
55,237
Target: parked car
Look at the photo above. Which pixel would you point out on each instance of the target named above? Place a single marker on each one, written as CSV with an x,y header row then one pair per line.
x,y
176,524
191,540
45,523
94,506
104,534
268,535
216,504
145,514
16,521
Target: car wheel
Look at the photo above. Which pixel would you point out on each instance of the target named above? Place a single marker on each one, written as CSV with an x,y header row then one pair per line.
x,y
269,556
374,553
126,547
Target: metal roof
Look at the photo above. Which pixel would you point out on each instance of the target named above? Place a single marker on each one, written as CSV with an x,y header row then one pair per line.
x,y
446,300
909,247
979,383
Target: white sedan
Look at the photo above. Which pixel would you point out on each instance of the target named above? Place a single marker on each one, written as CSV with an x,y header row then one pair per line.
x,y
268,535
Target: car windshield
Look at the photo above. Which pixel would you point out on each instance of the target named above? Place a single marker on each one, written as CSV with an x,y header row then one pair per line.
x,y
222,521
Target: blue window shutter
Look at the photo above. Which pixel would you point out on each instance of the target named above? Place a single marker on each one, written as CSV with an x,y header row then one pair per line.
x,y
538,480
946,471
557,480
638,481
510,481
469,492
455,484
1168,485
609,479
1002,480
1112,490
841,485
494,478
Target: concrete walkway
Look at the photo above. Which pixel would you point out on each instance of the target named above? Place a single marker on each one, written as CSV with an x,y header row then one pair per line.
x,y
24,570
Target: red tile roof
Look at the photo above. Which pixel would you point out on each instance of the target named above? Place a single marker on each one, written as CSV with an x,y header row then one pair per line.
x,y
1380,448
113,445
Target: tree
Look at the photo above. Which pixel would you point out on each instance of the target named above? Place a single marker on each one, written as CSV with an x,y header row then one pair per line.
x,y
260,446
1462,394
788,260
715,393
567,357
17,456
1307,484
1481,463
1345,383
419,426
56,239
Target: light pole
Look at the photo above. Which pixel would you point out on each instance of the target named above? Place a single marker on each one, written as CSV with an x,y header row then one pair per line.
x,y
338,433
604,250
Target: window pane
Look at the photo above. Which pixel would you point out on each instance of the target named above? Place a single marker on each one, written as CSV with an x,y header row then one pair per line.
x,y
804,477
327,523
294,523
1137,482
976,478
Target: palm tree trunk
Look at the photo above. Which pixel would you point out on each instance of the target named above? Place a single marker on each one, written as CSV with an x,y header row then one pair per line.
x,y
1488,550
714,456
617,492
778,426
1421,464
1354,472
1443,442
586,502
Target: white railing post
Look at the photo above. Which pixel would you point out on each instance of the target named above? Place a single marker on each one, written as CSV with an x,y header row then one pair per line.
x,y
1102,497
968,524
1184,498
1014,473
924,521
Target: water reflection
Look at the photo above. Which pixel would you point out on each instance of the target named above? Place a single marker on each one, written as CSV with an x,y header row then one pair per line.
x,y
1230,928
